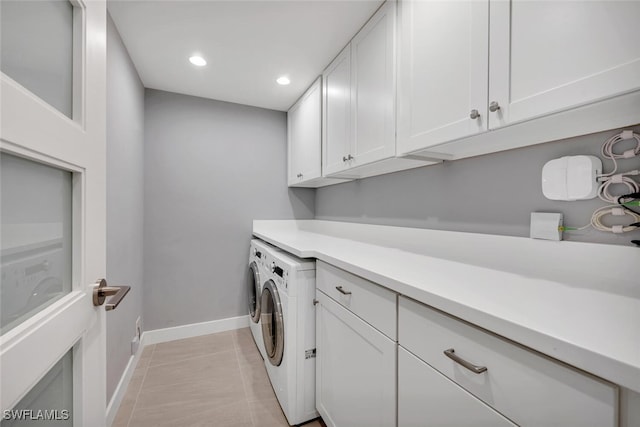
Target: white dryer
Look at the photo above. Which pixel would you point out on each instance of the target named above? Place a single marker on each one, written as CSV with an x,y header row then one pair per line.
x,y
257,276
288,331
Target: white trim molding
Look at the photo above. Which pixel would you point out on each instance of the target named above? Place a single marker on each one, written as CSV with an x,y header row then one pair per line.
x,y
194,330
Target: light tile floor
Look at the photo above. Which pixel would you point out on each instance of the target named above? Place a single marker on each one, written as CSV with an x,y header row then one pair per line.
x,y
214,380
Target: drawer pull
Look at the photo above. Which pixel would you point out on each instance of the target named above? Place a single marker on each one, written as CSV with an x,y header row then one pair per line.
x,y
342,291
451,354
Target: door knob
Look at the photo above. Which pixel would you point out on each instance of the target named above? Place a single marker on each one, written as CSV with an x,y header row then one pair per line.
x,y
474,114
494,106
101,291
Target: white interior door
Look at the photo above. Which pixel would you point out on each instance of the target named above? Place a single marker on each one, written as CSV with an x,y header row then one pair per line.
x,y
52,342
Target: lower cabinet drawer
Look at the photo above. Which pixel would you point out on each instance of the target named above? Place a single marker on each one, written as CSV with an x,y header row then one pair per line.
x,y
426,398
526,387
371,302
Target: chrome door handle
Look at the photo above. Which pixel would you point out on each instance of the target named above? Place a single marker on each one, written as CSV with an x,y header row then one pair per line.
x,y
451,354
101,291
342,291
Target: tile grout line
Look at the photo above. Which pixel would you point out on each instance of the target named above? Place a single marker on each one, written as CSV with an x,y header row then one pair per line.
x,y
144,375
244,384
188,358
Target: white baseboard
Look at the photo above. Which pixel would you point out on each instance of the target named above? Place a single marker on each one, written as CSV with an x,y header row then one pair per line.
x,y
121,388
163,335
194,330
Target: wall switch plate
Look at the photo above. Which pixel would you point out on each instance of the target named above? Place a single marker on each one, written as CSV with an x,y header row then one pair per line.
x,y
546,226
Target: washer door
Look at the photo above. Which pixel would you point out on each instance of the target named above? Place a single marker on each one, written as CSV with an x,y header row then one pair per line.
x,y
272,323
253,283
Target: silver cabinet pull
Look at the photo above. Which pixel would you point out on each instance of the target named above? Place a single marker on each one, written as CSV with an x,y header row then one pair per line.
x,y
299,175
344,158
494,106
347,158
451,354
474,114
101,291
350,157
342,291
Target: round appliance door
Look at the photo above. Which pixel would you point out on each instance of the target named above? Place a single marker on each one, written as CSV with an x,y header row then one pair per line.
x,y
272,323
253,283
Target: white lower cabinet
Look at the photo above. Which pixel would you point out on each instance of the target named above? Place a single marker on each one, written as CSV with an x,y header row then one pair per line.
x,y
355,369
527,387
426,398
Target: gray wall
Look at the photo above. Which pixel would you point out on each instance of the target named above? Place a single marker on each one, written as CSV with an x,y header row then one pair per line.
x,y
125,143
210,168
492,194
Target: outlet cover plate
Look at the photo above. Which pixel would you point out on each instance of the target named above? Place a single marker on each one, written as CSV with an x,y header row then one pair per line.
x,y
546,226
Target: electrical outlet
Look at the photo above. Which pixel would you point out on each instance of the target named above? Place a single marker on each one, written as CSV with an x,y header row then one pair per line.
x,y
135,345
139,328
546,226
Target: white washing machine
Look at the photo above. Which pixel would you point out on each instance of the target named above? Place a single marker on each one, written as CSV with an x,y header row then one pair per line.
x,y
258,253
288,331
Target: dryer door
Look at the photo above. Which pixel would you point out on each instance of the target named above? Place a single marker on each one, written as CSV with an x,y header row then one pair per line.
x,y
272,323
253,283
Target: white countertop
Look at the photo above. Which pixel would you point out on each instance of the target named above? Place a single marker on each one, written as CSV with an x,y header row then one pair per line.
x,y
576,302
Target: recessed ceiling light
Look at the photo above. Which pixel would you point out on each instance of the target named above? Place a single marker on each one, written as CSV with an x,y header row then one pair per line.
x,y
284,80
198,60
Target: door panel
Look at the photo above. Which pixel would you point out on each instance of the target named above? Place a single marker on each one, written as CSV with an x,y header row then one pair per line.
x,y
37,48
35,130
35,242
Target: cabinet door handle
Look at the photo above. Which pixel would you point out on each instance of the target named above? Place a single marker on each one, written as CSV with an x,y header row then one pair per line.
x,y
299,175
344,158
451,354
494,106
342,291
350,157
474,114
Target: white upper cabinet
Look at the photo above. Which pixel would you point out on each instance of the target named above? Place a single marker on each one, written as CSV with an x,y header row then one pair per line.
x,y
491,75
359,125
304,135
337,112
443,77
373,89
548,56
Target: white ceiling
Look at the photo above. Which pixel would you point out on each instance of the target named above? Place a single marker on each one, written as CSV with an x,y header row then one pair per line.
x,y
247,44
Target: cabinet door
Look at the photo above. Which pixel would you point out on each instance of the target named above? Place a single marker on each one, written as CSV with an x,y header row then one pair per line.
x,y
355,369
443,71
373,88
304,136
427,398
549,56
336,123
